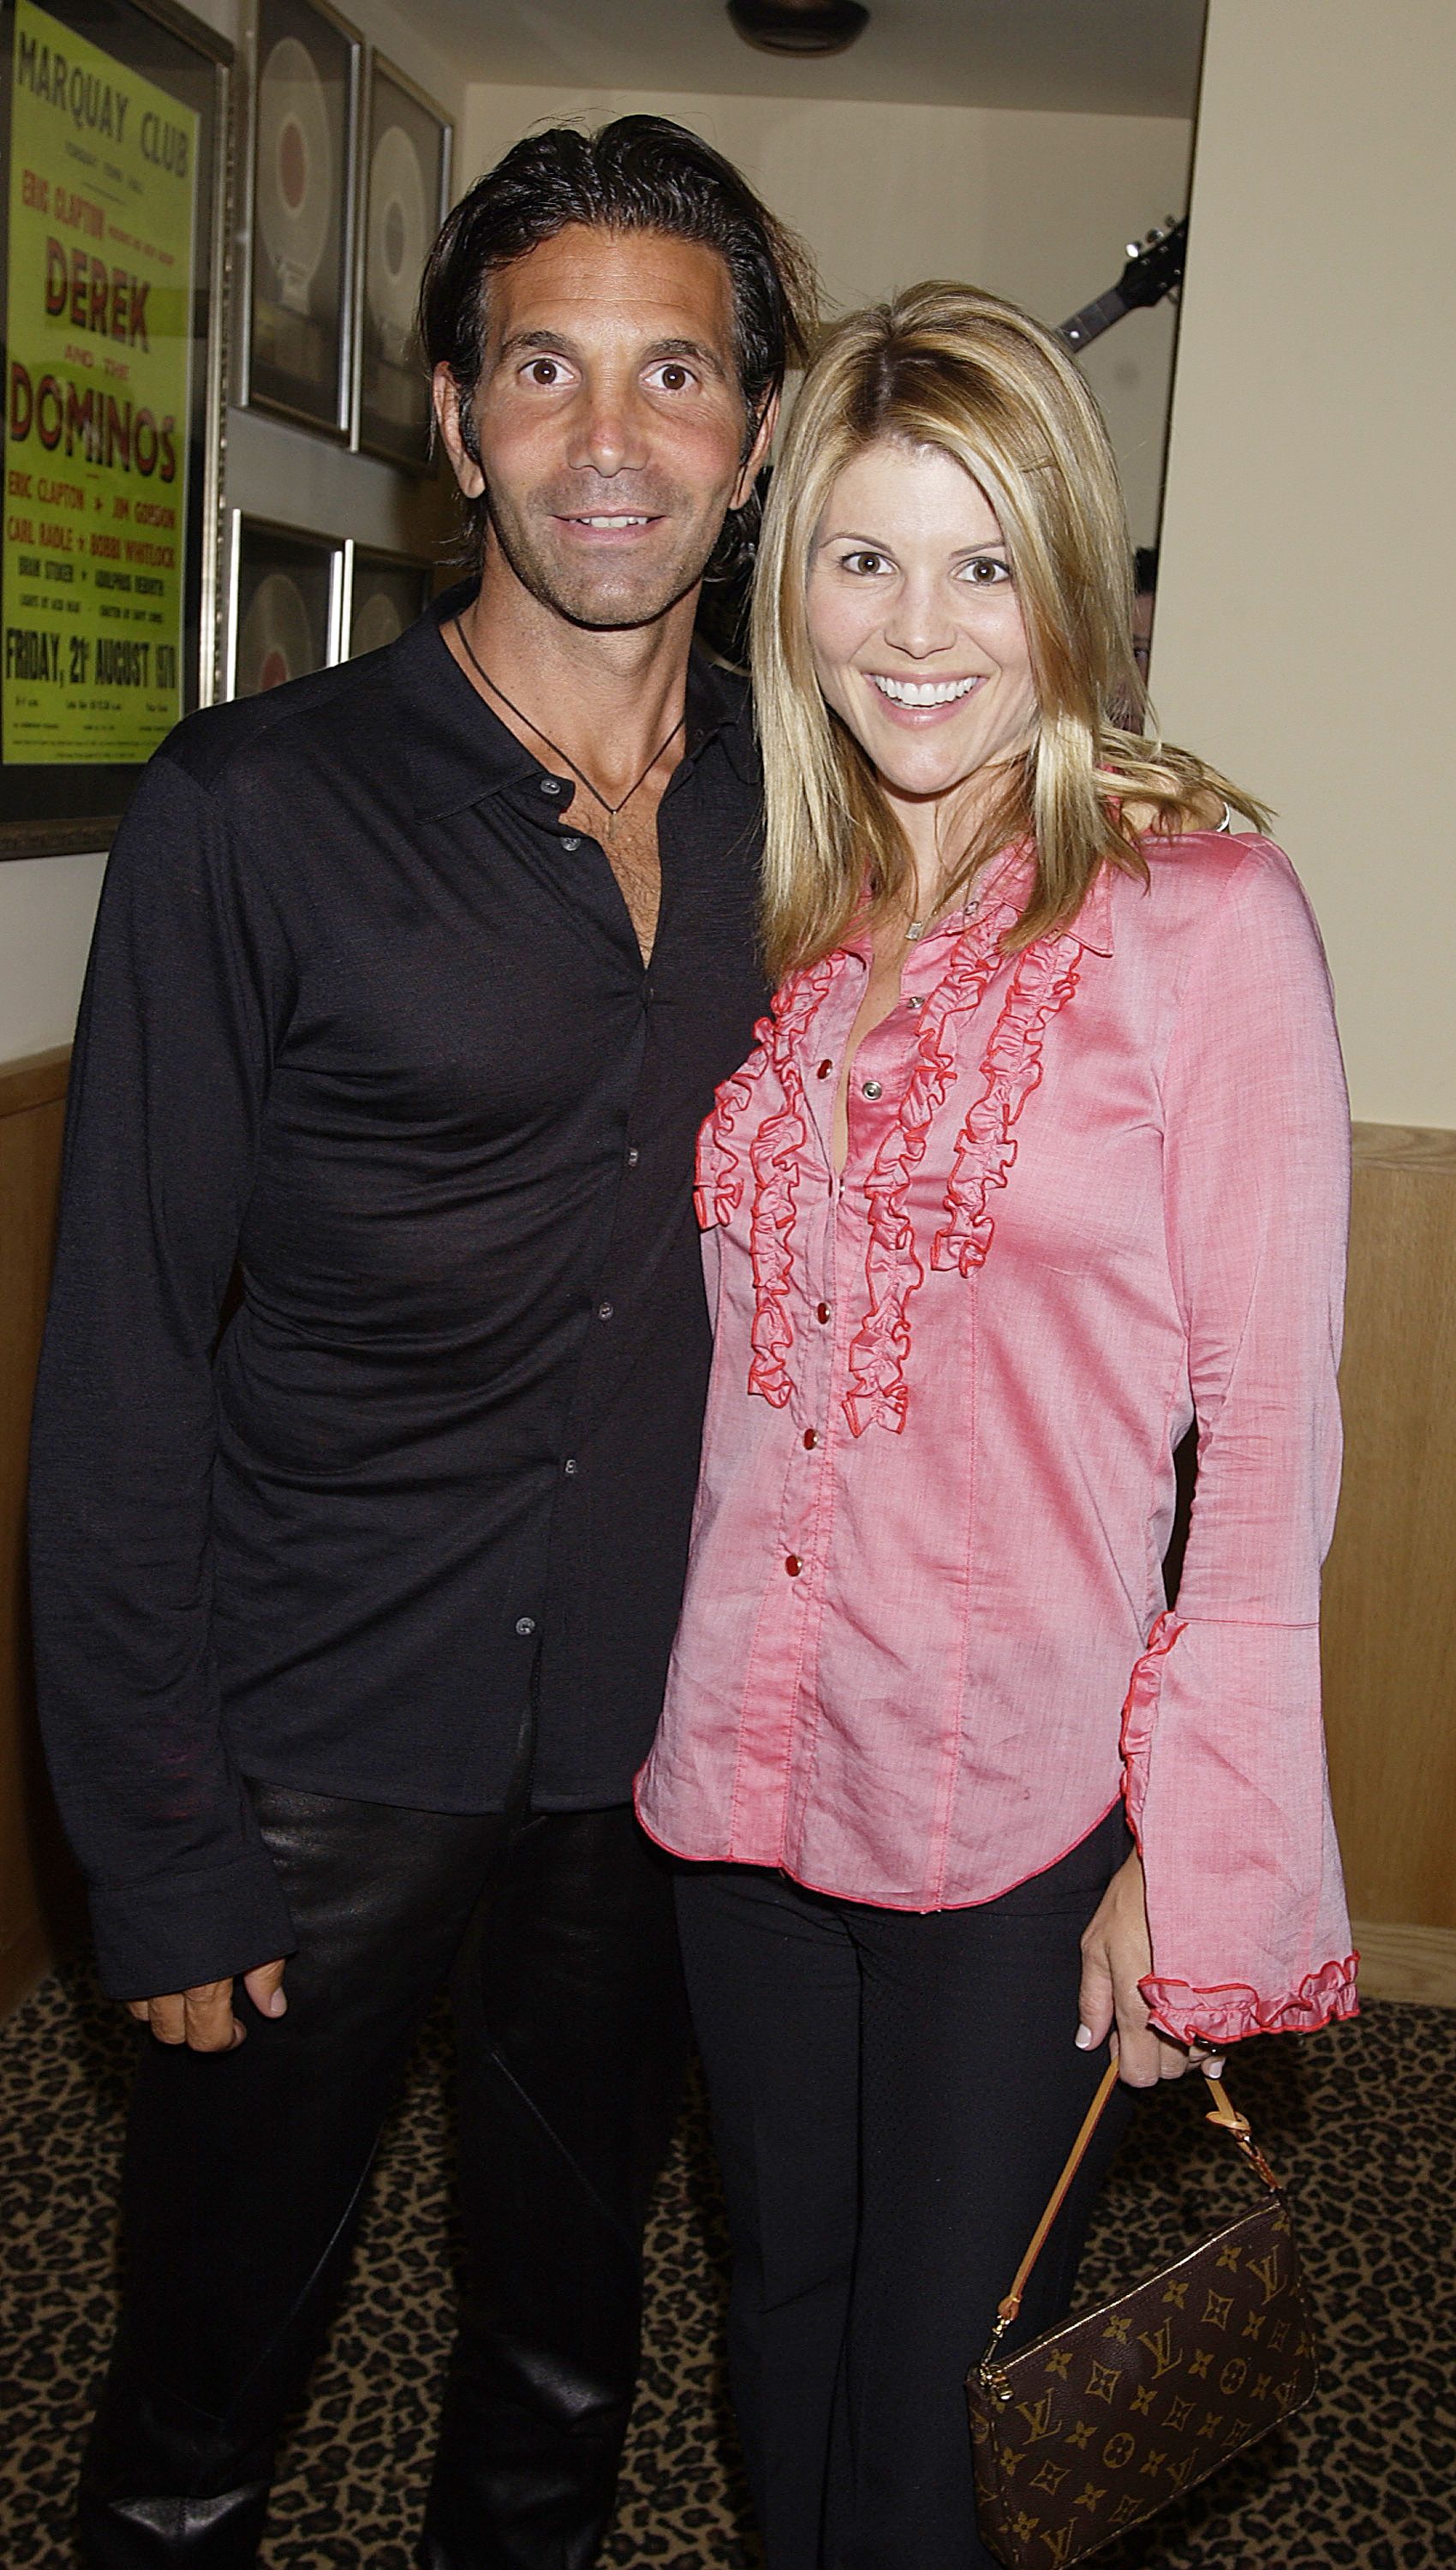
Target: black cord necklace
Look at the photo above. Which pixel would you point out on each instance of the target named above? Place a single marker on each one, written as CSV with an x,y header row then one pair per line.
x,y
610,810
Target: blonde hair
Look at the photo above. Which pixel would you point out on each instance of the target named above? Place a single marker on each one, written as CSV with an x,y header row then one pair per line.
x,y
948,367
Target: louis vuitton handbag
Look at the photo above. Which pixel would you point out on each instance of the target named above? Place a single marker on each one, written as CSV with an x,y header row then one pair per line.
x,y
1100,2422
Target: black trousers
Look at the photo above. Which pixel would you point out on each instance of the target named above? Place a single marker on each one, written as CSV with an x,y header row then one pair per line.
x,y
245,2176
893,2097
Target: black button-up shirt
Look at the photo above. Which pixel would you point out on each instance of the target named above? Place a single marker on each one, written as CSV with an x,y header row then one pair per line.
x,y
366,1019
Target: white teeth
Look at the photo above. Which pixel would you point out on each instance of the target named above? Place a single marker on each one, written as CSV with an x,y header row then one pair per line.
x,y
923,691
611,522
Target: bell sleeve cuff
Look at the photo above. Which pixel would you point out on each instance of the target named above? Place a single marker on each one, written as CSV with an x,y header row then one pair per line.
x,y
1229,1801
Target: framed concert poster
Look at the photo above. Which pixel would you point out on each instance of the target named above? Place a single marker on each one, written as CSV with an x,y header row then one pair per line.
x,y
382,593
284,609
407,180
306,128
113,233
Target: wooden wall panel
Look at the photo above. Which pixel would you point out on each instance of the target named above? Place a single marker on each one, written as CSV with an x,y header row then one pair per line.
x,y
37,1890
1391,1585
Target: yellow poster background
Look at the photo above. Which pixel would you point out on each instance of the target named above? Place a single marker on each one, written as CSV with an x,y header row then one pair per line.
x,y
103,178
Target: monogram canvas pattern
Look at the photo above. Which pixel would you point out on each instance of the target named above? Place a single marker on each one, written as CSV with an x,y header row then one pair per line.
x,y
1098,2424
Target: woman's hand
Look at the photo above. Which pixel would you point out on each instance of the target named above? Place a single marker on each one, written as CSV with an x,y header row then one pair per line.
x,y
1117,1953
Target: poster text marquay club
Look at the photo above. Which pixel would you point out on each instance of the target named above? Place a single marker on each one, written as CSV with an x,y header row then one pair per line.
x,y
103,171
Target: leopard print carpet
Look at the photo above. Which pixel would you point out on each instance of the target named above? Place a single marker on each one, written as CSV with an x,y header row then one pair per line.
x,y
1359,2121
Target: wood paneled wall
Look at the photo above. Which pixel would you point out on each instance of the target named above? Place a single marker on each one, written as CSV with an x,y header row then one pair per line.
x,y
38,1898
1390,1589
1391,1585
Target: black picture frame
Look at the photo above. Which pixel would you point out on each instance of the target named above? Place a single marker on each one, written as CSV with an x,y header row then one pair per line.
x,y
286,602
73,803
301,214
384,594
405,194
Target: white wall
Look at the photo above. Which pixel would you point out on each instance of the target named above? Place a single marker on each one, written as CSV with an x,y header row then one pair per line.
x,y
1304,621
48,904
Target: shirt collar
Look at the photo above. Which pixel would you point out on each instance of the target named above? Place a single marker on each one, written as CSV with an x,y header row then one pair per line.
x,y
460,752
1010,874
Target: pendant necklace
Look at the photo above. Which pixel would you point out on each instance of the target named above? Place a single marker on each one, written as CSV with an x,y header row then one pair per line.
x,y
610,810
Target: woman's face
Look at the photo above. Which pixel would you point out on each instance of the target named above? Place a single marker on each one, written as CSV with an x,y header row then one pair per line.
x,y
915,623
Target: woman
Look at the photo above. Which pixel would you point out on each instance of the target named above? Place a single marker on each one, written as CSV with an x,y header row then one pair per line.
x,y
1041,1159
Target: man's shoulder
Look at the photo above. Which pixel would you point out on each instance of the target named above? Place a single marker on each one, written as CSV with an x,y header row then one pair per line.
x,y
305,721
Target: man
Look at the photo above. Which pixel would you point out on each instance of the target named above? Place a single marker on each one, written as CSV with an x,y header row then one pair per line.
x,y
410,985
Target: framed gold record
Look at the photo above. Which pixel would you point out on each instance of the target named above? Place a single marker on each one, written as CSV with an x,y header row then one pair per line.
x,y
384,594
305,131
285,604
405,163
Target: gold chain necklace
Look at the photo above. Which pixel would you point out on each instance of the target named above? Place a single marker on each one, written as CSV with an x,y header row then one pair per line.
x,y
610,810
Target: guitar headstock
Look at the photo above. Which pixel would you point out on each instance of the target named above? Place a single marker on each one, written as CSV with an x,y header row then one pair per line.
x,y
1154,265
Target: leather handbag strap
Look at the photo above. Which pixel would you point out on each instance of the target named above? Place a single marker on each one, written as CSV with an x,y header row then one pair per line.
x,y
1224,2113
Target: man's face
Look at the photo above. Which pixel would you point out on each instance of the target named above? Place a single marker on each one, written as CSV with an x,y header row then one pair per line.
x,y
608,421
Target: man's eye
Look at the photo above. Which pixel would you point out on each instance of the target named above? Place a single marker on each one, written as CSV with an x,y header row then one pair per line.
x,y
674,378
544,370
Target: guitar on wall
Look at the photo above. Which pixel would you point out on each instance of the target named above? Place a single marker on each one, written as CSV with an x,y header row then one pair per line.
x,y
1154,268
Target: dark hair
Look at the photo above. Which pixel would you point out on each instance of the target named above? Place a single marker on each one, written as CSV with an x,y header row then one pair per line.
x,y
640,174
1145,570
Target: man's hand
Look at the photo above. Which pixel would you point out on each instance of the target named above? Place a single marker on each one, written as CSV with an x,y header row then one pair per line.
x,y
1117,1953
202,2017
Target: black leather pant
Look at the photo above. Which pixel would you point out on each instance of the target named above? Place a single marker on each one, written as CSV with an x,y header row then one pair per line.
x,y
245,2177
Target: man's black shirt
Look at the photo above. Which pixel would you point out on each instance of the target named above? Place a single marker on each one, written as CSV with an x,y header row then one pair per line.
x,y
366,1019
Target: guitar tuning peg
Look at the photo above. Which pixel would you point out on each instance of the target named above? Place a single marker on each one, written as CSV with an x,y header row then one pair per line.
x,y
1134,249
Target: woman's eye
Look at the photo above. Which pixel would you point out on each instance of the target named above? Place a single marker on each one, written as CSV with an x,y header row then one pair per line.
x,y
986,572
865,564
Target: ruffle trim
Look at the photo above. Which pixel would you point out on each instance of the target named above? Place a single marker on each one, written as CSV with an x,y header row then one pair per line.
x,y
1043,979
1231,2010
1140,1710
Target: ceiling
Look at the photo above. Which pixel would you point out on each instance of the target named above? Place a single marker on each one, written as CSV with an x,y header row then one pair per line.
x,y
1093,57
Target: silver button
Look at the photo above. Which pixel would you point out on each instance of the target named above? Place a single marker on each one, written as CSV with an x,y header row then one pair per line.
x,y
604,1311
570,1465
914,1002
525,1624
571,843
633,1157
553,786
872,1089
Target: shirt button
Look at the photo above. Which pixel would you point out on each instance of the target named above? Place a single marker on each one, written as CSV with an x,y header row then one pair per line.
x,y
552,786
633,1157
820,1311
811,1439
824,1071
872,1089
914,1002
570,1465
571,843
525,1624
604,1311
793,1566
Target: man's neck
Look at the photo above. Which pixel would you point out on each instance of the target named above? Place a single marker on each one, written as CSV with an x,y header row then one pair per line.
x,y
606,698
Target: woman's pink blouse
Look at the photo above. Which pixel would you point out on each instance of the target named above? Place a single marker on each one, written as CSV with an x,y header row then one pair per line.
x,y
1092,1191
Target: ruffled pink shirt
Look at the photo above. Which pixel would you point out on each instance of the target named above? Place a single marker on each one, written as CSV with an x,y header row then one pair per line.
x,y
1091,1189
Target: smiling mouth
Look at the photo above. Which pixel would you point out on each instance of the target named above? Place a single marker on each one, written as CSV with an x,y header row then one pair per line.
x,y
916,693
608,526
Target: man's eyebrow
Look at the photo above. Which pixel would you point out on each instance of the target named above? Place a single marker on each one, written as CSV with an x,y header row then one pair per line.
x,y
559,343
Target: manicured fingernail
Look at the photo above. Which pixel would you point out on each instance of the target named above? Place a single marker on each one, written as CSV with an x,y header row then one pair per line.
x,y
1084,2038
278,2004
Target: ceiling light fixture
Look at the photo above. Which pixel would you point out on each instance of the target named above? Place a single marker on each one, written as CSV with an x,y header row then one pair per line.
x,y
799,26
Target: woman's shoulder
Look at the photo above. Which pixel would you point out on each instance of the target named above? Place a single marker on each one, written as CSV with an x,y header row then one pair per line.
x,y
1197,870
